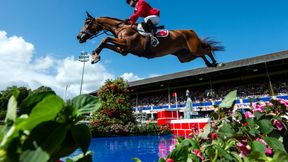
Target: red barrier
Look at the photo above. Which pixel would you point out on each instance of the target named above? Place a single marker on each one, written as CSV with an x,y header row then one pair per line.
x,y
165,116
182,127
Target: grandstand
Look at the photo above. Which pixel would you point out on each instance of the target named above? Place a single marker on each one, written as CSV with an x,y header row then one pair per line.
x,y
260,77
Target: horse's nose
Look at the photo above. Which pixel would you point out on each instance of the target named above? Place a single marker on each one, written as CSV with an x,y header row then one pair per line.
x,y
78,37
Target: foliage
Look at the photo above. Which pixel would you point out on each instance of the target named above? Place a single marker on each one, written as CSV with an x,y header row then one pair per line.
x,y
130,129
114,97
22,93
114,115
52,130
43,89
259,134
115,118
164,129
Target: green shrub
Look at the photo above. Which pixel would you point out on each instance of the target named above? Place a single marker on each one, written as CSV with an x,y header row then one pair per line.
x,y
115,113
115,118
51,130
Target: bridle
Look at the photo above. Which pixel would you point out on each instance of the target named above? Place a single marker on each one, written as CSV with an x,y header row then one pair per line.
x,y
87,30
103,31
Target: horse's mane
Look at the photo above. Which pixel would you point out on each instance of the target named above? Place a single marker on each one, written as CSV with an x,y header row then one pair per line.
x,y
112,18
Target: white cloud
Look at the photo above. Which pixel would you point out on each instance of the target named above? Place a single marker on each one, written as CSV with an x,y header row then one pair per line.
x,y
70,73
14,49
44,63
19,68
130,77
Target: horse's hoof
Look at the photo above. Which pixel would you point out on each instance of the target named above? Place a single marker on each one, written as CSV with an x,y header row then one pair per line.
x,y
96,60
220,65
212,65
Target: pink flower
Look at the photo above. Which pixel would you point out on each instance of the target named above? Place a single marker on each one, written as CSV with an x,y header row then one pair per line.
x,y
268,151
171,147
214,136
196,152
242,145
282,101
278,124
169,160
269,104
248,114
262,141
259,108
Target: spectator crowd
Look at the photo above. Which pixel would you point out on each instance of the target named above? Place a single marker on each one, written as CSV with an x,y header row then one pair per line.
x,y
215,93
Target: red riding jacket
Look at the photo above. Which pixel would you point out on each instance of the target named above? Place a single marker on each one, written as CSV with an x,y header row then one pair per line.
x,y
143,9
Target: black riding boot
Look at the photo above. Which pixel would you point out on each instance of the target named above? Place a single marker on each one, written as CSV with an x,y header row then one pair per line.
x,y
146,38
145,27
152,29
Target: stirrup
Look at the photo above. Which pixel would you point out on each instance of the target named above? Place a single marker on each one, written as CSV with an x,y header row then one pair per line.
x,y
154,41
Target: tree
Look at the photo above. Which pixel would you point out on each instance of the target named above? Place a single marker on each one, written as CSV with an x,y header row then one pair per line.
x,y
22,93
43,89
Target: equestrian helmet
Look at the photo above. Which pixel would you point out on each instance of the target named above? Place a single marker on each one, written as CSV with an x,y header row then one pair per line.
x,y
129,1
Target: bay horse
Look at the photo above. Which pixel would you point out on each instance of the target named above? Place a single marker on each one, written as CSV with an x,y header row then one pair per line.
x,y
184,44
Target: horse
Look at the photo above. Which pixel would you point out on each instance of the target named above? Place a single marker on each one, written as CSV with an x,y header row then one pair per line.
x,y
184,44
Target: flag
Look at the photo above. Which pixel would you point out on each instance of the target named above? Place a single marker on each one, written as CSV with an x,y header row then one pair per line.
x,y
174,94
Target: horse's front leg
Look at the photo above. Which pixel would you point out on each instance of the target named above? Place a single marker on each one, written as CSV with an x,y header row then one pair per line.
x,y
119,45
116,48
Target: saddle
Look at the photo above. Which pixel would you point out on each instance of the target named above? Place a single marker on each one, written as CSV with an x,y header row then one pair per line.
x,y
160,33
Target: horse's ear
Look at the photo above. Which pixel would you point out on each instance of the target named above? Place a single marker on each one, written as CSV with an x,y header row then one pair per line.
x,y
89,15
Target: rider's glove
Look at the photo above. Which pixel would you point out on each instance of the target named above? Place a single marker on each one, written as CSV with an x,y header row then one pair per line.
x,y
127,21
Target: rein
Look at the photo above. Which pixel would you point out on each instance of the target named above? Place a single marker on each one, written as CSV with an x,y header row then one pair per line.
x,y
104,31
101,33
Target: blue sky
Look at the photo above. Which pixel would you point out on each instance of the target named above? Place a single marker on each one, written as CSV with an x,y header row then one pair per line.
x,y
246,28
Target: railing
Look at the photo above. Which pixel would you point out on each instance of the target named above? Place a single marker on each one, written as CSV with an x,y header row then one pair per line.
x,y
243,104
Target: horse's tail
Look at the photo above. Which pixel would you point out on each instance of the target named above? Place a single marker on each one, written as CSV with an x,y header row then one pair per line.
x,y
212,45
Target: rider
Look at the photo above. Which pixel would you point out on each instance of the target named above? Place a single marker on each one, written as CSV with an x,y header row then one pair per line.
x,y
151,18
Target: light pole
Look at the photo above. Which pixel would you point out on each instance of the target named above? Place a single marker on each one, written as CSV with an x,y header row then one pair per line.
x,y
84,57
65,92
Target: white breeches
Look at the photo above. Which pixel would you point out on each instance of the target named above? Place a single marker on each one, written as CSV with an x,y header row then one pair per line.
x,y
154,18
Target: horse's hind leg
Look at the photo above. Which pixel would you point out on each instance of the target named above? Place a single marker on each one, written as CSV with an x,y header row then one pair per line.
x,y
184,56
214,62
195,47
206,61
